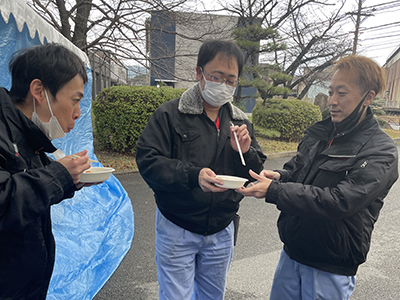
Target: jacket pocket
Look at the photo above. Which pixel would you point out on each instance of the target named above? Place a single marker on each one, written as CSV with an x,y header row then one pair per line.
x,y
188,146
333,171
188,135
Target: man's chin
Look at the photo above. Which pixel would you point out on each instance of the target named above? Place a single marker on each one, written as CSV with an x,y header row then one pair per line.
x,y
336,119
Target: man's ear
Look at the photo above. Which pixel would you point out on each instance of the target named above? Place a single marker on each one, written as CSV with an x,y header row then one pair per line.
x,y
36,89
370,97
199,73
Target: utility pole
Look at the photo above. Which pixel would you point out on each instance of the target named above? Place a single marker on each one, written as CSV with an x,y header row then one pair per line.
x,y
358,20
359,14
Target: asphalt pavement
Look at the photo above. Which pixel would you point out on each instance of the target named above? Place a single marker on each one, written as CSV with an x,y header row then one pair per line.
x,y
256,253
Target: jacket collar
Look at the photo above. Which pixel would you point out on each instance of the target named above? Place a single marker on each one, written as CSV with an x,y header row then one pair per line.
x,y
323,130
347,143
191,103
18,123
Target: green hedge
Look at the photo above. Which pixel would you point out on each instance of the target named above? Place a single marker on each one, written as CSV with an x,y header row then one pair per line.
x,y
122,112
290,117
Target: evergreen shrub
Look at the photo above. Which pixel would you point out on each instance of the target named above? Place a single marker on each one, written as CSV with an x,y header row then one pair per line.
x,y
122,112
290,117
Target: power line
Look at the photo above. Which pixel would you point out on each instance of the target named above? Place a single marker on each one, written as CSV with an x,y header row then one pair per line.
x,y
379,27
381,36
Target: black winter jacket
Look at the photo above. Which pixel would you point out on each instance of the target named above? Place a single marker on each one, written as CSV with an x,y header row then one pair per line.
x,y
178,141
29,183
330,197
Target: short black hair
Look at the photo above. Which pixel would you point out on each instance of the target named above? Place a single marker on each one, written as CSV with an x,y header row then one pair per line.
x,y
53,64
209,49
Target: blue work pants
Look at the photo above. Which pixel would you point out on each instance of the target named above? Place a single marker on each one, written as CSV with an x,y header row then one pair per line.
x,y
295,281
191,266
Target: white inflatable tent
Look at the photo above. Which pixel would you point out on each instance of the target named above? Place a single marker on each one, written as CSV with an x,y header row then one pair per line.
x,y
93,230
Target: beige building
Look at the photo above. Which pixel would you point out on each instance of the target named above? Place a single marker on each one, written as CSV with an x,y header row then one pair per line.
x,y
392,66
174,39
106,71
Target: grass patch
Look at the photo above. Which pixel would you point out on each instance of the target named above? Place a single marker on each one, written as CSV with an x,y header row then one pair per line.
x,y
120,162
394,134
273,146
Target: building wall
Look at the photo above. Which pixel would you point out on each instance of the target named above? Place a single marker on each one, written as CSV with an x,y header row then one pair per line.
x,y
174,45
392,95
106,72
118,74
100,73
199,27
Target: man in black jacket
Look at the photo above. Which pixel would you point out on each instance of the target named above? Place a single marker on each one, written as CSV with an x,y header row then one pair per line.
x,y
186,143
331,192
43,103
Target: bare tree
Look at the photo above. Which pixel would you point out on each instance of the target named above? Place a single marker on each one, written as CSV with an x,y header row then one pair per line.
x,y
314,39
123,30
309,29
114,26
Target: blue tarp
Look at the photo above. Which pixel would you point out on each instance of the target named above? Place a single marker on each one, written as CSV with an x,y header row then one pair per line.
x,y
93,230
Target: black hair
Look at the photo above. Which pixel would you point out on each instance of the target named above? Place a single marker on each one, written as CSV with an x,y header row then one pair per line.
x,y
53,64
211,48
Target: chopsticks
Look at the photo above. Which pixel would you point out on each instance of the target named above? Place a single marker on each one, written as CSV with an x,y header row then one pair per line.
x,y
238,146
58,154
77,156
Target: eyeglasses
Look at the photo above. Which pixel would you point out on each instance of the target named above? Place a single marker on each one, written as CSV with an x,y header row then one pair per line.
x,y
221,81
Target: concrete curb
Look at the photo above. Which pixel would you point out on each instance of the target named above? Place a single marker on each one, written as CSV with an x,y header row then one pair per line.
x,y
125,172
280,154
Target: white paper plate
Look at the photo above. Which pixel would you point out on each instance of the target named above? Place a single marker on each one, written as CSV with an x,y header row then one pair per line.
x,y
231,182
96,174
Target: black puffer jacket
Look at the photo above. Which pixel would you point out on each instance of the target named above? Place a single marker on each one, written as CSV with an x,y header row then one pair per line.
x,y
178,141
330,197
29,183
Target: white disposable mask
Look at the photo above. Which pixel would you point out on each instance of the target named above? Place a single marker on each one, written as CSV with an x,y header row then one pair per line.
x,y
217,94
51,129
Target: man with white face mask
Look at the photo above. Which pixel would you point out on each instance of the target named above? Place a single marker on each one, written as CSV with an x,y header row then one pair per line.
x,y
186,142
43,103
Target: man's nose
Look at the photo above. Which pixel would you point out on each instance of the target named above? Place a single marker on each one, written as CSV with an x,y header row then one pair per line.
x,y
77,113
332,100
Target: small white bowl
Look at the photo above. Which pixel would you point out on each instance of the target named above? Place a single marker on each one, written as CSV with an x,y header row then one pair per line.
x,y
231,182
96,174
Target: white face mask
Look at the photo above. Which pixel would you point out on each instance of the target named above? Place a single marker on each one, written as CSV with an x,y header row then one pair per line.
x,y
217,94
51,129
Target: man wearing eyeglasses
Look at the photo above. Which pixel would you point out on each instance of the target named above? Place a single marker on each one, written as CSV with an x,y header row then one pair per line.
x,y
186,143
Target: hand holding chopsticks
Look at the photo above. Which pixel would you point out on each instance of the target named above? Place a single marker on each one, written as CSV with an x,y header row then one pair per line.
x,y
77,156
238,146
58,154
75,164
